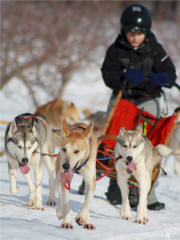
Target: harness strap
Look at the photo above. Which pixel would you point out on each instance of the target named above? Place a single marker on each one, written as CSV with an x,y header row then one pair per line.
x,y
83,163
77,169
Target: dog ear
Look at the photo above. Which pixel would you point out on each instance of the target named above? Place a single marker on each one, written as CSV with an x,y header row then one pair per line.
x,y
139,128
87,133
122,130
65,128
12,128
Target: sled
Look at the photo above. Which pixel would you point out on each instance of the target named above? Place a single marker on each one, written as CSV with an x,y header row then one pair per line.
x,y
125,113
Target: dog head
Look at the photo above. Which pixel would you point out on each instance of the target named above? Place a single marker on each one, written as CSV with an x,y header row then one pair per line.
x,y
22,143
70,112
129,146
75,146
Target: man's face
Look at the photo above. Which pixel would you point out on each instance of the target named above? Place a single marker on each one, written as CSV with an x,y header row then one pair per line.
x,y
135,39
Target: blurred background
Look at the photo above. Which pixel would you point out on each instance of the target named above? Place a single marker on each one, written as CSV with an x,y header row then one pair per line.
x,y
44,43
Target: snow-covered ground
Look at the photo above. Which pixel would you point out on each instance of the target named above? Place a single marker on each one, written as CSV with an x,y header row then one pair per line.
x,y
17,222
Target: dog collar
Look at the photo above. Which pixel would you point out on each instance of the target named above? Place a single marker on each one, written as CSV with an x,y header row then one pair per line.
x,y
76,170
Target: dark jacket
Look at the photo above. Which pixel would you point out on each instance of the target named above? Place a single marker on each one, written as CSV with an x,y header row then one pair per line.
x,y
149,57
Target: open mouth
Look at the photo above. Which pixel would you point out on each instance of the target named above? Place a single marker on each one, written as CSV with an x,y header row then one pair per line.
x,y
131,167
24,168
66,176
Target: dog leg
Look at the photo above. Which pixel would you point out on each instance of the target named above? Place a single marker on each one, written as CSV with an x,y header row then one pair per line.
x,y
63,210
51,170
176,164
31,201
83,217
14,189
38,179
144,186
125,211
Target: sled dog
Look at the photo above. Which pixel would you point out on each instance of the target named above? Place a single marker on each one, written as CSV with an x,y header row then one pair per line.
x,y
55,111
27,137
135,156
77,155
99,119
174,144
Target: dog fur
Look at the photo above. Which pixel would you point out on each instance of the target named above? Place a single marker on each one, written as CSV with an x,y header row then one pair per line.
x,y
174,144
99,119
79,146
136,156
26,138
55,111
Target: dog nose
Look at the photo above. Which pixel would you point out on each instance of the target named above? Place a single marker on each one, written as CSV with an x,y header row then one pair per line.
x,y
66,166
129,158
25,160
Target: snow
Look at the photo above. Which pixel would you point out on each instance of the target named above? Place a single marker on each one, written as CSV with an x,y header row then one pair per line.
x,y
18,222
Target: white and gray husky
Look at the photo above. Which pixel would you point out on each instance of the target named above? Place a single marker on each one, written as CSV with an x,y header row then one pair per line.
x,y
28,141
136,156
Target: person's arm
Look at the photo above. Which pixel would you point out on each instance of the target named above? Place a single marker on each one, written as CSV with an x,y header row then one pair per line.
x,y
163,68
112,71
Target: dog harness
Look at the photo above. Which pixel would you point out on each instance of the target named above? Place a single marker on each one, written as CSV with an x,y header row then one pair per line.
x,y
77,169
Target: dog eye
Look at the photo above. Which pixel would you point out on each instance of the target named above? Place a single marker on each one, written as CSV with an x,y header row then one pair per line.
x,y
124,145
135,146
19,147
77,151
64,149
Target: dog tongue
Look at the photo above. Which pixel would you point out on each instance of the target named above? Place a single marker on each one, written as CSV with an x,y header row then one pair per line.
x,y
131,167
66,177
24,168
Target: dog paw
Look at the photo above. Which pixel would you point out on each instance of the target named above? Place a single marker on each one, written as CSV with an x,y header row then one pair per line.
x,y
51,202
80,221
141,220
125,215
38,207
30,203
67,225
89,226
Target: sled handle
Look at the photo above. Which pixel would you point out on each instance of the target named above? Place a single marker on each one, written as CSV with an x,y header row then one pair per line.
x,y
111,113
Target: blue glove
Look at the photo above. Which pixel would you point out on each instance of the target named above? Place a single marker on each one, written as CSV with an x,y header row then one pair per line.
x,y
134,76
159,79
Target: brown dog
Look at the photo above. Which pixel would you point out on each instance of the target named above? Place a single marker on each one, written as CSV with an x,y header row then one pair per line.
x,y
55,111
77,155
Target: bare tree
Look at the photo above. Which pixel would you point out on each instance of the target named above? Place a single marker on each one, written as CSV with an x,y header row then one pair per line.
x,y
43,43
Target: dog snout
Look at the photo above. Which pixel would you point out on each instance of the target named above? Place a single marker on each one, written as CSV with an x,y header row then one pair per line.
x,y
24,160
66,166
129,158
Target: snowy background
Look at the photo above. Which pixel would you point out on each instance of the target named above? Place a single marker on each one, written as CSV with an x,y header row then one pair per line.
x,y
17,222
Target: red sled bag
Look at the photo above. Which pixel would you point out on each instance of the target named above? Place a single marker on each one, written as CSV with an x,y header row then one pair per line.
x,y
128,115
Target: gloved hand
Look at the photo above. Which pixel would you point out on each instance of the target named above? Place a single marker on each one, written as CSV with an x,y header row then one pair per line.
x,y
134,77
159,79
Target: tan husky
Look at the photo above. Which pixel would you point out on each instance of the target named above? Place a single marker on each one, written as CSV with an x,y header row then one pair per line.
x,y
55,111
77,155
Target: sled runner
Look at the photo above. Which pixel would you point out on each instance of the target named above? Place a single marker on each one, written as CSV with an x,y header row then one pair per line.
x,y
126,114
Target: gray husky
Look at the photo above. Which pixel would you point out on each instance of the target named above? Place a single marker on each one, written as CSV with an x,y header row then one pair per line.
x,y
136,156
28,141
